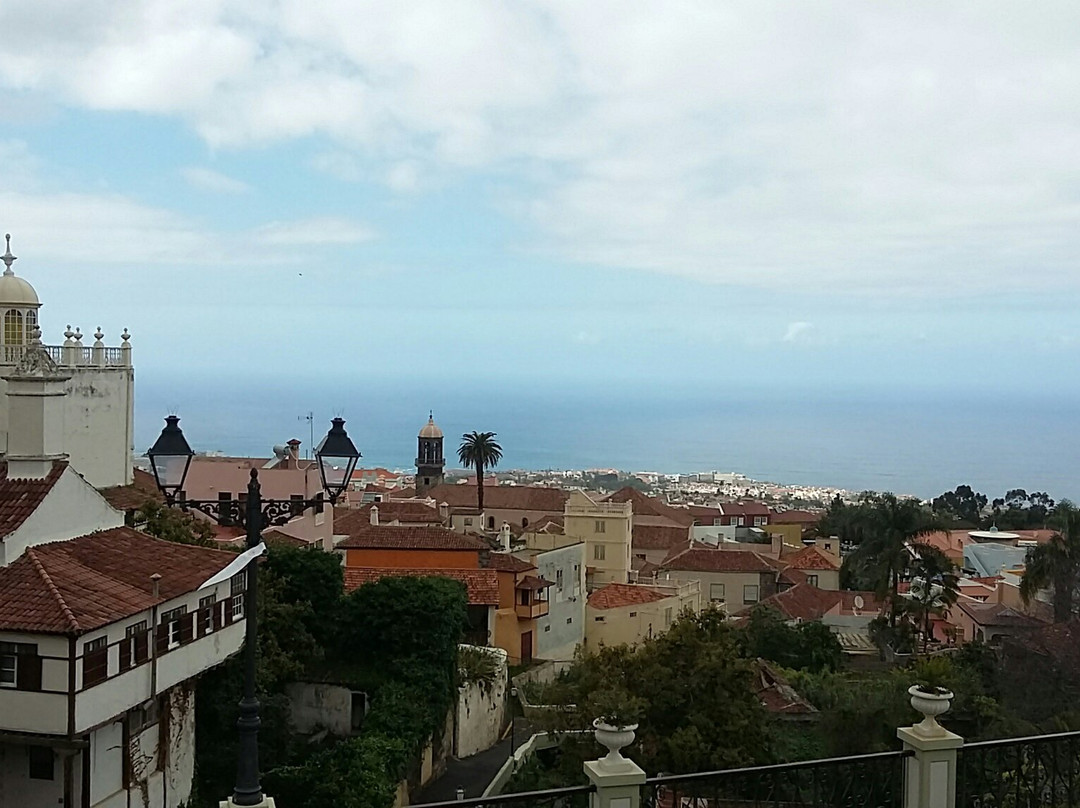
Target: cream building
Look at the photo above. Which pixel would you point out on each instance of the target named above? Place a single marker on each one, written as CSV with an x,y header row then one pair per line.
x,y
606,529
730,579
99,429
619,614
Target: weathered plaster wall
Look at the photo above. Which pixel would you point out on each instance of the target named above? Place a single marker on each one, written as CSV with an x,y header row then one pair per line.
x,y
481,711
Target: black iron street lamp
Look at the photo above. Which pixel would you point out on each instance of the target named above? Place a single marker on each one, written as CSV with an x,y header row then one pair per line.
x,y
170,459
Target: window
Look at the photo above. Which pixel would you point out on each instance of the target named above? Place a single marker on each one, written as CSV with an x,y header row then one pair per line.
x,y
206,609
20,665
599,619
812,580
716,593
524,522
750,593
13,330
717,522
41,763
547,628
9,666
569,620
667,616
143,716
172,620
600,526
524,597
599,552
491,523
237,589
738,521
134,650
226,508
95,663
296,504
761,521
633,614
468,521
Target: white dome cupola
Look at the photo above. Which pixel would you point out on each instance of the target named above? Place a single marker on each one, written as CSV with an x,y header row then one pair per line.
x,y
19,304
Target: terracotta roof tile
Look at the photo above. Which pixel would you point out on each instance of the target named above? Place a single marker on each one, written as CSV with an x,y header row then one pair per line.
x,y
806,602
660,537
132,497
20,497
481,586
508,563
644,505
795,517
81,584
502,497
709,560
810,558
745,508
613,596
377,537
410,513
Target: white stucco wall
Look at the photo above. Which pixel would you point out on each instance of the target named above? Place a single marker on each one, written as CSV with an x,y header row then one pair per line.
x,y
481,712
21,711
72,508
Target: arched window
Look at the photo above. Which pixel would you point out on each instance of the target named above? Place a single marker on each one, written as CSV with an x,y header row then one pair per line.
x,y
13,327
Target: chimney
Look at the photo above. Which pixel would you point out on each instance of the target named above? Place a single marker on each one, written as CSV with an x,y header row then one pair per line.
x,y
375,515
504,537
35,433
156,579
294,452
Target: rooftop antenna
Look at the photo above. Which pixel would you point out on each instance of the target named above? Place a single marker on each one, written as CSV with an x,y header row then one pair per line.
x,y
310,418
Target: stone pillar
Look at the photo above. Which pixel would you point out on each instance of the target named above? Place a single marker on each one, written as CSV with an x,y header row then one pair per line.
x,y
98,352
618,781
930,774
125,348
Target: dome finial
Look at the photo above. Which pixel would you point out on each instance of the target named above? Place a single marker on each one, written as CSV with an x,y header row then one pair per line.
x,y
7,257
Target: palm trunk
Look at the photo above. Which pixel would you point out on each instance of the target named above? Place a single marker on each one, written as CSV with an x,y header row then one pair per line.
x,y
894,584
480,487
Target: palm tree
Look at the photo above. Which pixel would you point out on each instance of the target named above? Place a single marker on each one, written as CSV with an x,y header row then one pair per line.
x,y
884,554
939,588
1056,564
479,449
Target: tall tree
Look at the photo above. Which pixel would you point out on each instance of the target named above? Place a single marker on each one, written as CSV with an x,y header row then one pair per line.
x,y
938,587
1056,564
892,525
963,506
479,450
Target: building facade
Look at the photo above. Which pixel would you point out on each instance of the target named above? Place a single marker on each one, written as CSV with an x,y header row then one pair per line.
x,y
606,530
430,462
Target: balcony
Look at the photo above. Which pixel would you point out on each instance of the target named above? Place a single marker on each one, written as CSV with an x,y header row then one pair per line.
x,y
538,608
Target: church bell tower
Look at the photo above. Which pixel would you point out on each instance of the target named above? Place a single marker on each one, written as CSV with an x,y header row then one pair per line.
x,y
429,457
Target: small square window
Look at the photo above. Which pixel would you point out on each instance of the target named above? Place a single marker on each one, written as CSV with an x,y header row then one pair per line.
x,y
599,552
569,620
750,594
633,614
547,628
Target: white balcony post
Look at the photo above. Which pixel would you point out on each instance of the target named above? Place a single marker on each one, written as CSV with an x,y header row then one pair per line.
x,y
930,774
618,781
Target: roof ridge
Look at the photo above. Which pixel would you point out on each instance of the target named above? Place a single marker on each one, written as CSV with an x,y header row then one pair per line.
x,y
53,590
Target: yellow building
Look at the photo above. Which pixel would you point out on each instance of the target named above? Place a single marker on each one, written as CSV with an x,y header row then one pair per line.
x,y
619,614
606,529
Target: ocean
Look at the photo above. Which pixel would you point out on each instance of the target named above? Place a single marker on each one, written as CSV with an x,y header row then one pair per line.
x,y
906,441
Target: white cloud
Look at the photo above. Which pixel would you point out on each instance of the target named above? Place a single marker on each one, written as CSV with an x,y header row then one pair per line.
x,y
917,148
798,332
207,180
315,231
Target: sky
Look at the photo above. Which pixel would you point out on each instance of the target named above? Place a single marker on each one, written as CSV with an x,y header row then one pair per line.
x,y
829,195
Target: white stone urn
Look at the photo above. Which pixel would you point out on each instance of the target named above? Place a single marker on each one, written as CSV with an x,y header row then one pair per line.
x,y
614,738
931,703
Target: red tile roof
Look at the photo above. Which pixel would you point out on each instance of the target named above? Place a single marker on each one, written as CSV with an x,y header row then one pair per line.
x,y
810,558
20,497
776,693
644,505
795,517
745,508
81,584
502,497
613,596
998,614
400,537
143,489
508,563
709,560
275,537
481,586
806,602
660,537
411,513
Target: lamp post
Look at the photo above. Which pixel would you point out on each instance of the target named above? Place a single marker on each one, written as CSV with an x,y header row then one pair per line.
x,y
170,459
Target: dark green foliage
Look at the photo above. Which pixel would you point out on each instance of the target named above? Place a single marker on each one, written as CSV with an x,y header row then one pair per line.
x,y
691,688
808,646
397,636
961,508
174,525
1056,564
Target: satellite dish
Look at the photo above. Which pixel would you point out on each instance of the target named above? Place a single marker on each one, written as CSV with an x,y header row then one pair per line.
x,y
859,602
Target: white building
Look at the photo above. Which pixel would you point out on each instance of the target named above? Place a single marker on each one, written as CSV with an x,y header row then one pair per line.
x,y
103,629
100,385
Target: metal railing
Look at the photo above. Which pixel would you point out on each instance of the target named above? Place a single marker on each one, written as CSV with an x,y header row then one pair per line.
x,y
574,797
1041,770
872,780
